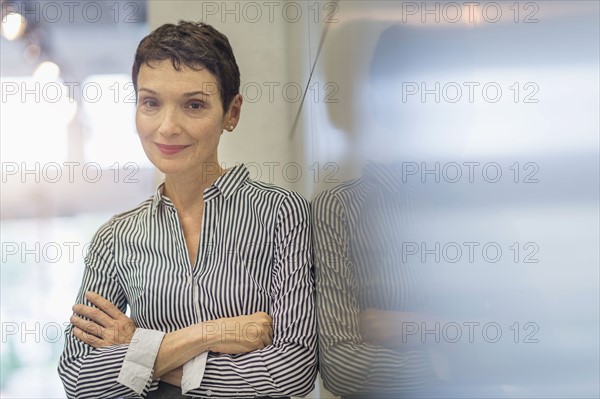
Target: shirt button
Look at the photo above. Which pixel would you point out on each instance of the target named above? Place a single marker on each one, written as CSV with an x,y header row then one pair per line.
x,y
209,393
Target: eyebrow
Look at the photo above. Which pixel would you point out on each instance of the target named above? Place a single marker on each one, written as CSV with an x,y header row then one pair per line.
x,y
190,94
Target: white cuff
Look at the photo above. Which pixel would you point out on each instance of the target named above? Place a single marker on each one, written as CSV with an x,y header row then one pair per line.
x,y
193,371
136,371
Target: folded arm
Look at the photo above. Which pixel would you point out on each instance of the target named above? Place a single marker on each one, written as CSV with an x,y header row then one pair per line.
x,y
271,355
356,354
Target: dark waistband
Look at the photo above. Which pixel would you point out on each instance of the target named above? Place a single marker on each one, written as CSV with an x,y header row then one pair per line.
x,y
168,391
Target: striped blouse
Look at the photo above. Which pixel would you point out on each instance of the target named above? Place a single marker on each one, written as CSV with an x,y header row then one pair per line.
x,y
358,228
254,255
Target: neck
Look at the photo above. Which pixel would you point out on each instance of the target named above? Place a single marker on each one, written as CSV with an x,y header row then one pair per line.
x,y
187,191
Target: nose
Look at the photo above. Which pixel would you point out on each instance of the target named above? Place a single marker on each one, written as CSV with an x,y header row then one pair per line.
x,y
170,123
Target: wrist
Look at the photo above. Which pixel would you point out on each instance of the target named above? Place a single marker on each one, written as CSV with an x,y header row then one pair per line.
x,y
206,335
178,347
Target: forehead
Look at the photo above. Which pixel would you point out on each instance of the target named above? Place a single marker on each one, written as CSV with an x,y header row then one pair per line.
x,y
161,76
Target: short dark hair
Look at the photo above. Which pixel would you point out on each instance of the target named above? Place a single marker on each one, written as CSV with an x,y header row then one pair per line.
x,y
195,45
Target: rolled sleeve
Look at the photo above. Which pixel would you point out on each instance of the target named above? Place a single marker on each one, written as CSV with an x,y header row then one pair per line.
x,y
138,365
193,371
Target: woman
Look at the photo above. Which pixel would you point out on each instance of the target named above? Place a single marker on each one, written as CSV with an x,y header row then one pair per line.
x,y
215,267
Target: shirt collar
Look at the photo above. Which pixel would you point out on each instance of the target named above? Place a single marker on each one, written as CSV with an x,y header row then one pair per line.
x,y
225,185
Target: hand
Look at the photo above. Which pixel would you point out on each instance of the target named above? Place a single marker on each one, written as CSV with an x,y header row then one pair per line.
x,y
107,326
376,328
173,377
242,334
385,328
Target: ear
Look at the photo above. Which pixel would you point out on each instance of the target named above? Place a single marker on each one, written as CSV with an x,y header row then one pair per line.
x,y
232,116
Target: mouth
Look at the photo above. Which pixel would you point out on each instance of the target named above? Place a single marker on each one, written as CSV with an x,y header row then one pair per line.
x,y
170,149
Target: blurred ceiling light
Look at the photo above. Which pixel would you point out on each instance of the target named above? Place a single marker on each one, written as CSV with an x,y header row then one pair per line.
x,y
47,71
13,26
471,16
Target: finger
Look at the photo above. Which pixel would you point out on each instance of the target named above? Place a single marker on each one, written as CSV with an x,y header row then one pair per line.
x,y
93,314
104,304
88,338
270,336
88,327
269,329
267,336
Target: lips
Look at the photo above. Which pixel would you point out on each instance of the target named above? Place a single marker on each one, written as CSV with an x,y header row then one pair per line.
x,y
170,149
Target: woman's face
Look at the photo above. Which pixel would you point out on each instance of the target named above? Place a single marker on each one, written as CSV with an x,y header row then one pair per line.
x,y
180,118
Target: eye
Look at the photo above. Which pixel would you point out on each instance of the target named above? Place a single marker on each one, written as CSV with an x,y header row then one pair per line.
x,y
195,105
149,103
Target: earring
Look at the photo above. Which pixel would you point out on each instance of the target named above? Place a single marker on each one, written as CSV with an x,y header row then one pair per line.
x,y
230,128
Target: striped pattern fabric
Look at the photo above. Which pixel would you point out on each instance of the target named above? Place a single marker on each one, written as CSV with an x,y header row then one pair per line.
x,y
254,255
358,228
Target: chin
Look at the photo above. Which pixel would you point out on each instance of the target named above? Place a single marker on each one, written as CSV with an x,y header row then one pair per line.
x,y
167,167
169,171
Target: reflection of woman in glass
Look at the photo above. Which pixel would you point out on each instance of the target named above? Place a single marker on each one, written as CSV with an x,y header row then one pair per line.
x,y
389,295
364,291
215,267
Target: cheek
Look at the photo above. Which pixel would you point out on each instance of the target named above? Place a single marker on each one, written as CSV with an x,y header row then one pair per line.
x,y
207,129
143,125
